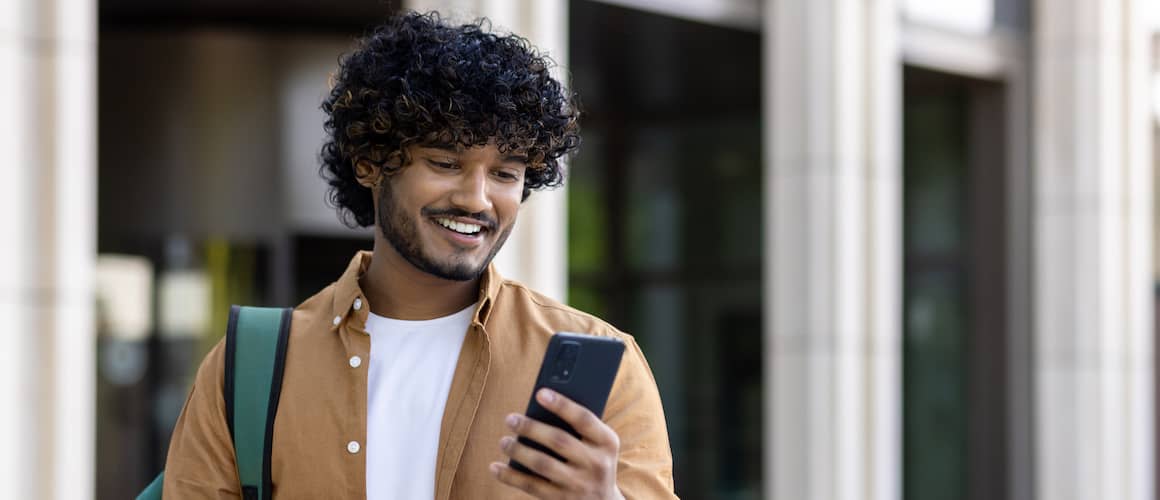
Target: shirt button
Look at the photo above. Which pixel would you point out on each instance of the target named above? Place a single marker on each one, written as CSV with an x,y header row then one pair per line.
x,y
337,320
355,361
352,446
357,304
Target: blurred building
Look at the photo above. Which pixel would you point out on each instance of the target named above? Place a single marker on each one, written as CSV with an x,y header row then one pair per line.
x,y
872,250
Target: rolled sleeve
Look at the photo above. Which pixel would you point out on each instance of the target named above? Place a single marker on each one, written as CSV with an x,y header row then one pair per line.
x,y
201,462
634,411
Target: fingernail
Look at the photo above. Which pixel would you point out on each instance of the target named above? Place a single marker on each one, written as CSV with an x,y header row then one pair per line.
x,y
547,395
512,421
494,468
506,442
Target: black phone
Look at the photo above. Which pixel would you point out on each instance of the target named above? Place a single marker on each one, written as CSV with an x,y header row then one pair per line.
x,y
581,368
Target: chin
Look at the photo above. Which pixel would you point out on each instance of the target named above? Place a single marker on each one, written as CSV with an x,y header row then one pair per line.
x,y
461,273
453,269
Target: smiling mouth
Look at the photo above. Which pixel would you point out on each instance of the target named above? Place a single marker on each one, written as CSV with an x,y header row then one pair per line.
x,y
464,228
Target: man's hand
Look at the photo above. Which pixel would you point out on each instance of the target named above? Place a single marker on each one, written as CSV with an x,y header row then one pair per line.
x,y
590,470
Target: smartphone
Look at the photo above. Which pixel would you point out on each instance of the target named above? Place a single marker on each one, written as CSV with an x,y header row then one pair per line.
x,y
581,368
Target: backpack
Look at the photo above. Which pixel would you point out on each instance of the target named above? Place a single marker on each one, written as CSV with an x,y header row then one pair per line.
x,y
255,357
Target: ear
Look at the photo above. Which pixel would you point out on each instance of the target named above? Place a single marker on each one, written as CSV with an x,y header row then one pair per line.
x,y
367,173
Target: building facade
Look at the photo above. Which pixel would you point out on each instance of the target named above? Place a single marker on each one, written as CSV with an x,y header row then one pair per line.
x,y
873,250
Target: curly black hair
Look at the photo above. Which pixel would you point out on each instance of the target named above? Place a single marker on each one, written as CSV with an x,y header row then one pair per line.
x,y
417,80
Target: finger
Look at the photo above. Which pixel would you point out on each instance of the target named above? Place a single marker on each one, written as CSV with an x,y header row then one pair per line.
x,y
541,463
554,438
527,483
585,422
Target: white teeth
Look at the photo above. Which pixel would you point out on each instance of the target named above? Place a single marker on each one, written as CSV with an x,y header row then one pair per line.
x,y
460,227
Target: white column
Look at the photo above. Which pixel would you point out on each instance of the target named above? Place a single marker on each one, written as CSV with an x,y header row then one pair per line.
x,y
1092,254
833,265
537,251
17,347
47,260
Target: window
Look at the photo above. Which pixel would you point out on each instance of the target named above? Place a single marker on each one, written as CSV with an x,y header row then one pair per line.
x,y
954,233
665,214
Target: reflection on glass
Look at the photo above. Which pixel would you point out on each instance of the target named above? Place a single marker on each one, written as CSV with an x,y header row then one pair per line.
x,y
935,387
935,408
146,363
665,240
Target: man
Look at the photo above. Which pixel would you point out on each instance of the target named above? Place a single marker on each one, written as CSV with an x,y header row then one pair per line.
x,y
407,378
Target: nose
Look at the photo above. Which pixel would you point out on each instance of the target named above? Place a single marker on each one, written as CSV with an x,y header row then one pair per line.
x,y
471,191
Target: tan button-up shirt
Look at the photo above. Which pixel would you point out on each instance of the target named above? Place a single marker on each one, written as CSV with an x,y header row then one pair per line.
x,y
323,406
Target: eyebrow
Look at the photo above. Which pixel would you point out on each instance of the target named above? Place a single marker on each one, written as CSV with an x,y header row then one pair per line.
x,y
516,158
447,148
458,149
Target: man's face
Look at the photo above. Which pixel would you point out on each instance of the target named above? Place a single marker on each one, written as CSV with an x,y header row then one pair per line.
x,y
450,210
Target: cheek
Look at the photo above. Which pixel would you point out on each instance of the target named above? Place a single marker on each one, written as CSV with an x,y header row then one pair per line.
x,y
508,207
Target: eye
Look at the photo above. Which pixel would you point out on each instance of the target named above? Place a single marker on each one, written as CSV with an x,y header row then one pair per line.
x,y
506,175
442,164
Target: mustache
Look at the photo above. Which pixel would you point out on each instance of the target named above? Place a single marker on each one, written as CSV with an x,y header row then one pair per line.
x,y
479,217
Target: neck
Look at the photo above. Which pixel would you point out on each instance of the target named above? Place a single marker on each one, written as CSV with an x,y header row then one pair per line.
x,y
396,289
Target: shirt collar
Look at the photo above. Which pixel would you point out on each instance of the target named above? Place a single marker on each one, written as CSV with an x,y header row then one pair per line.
x,y
347,288
489,287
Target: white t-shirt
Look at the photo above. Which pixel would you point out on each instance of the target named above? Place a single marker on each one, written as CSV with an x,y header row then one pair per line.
x,y
411,366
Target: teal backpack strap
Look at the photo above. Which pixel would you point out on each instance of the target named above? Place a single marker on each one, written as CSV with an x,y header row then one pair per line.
x,y
153,491
255,358
256,340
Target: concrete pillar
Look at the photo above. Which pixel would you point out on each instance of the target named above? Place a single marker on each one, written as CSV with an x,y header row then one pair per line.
x,y
47,258
833,250
1092,255
537,250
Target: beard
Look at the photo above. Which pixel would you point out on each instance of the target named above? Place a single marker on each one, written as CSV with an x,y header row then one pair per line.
x,y
403,235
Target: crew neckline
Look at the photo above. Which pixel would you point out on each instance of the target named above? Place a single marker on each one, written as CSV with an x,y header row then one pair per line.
x,y
450,318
